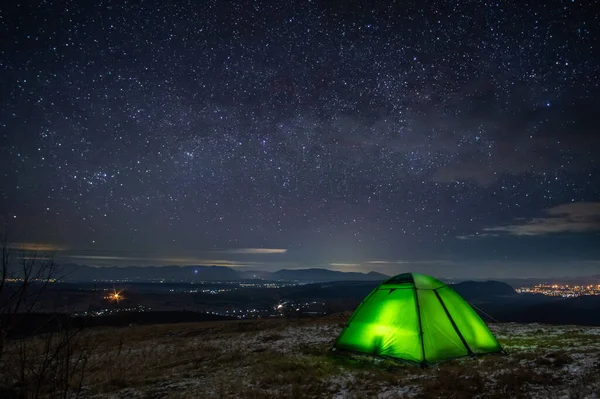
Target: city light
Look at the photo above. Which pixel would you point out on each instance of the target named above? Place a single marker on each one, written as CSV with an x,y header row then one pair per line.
x,y
561,290
115,296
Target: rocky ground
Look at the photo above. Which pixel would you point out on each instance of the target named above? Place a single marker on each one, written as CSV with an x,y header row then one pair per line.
x,y
292,359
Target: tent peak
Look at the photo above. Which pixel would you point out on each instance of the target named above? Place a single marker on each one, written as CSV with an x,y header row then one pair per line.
x,y
418,280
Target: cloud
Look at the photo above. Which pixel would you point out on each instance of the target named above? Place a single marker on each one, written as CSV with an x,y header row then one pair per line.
x,y
187,258
40,258
476,235
577,217
387,262
254,251
344,264
36,247
161,260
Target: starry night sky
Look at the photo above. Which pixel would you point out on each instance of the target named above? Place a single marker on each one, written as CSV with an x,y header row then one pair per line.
x,y
452,138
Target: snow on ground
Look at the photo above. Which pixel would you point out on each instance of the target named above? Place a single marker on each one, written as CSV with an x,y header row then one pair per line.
x,y
514,329
279,359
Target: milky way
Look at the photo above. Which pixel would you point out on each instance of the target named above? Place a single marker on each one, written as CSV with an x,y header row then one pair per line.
x,y
337,131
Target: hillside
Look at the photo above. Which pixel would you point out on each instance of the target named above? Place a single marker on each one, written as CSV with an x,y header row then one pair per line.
x,y
292,359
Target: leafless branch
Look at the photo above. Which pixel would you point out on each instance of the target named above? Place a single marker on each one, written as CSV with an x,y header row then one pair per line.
x,y
52,360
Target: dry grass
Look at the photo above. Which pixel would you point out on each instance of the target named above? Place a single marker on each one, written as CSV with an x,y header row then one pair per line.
x,y
291,359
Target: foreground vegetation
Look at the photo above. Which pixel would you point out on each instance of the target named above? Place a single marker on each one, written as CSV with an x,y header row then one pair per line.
x,y
292,359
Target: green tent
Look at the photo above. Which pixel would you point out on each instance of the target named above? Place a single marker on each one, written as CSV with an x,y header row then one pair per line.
x,y
419,319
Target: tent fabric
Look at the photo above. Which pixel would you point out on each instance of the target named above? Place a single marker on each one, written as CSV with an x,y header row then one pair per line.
x,y
416,318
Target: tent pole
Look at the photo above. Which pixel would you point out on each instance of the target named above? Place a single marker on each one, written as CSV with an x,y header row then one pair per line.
x,y
424,362
464,342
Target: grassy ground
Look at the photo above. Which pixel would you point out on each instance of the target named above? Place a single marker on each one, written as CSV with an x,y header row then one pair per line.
x,y
292,359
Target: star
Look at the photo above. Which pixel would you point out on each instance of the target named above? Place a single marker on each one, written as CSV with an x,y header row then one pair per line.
x,y
359,132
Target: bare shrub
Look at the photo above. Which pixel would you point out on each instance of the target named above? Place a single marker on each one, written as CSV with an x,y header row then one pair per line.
x,y
41,354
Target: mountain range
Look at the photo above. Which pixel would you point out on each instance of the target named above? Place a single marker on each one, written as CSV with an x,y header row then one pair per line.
x,y
75,272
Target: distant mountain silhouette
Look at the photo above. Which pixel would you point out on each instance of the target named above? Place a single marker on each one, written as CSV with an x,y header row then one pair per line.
x,y
326,275
74,272
494,300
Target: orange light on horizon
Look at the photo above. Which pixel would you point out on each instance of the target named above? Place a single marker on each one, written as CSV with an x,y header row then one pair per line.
x,y
115,296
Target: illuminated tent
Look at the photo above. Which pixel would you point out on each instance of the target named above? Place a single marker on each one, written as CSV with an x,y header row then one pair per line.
x,y
419,319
